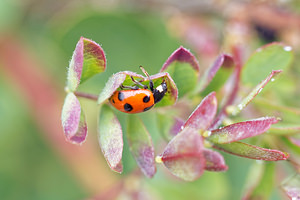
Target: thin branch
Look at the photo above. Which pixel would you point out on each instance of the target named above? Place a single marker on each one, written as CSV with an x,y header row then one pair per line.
x,y
86,95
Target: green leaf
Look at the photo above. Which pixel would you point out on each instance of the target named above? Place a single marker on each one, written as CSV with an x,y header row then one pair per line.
x,y
184,77
216,75
234,110
110,138
94,60
183,68
251,151
274,56
169,126
141,147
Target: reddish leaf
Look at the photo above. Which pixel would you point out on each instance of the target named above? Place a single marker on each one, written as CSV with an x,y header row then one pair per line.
x,y
251,151
183,155
203,115
222,60
141,147
241,130
214,161
88,59
73,120
181,55
110,138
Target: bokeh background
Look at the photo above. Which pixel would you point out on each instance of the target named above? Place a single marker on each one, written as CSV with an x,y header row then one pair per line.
x,y
37,38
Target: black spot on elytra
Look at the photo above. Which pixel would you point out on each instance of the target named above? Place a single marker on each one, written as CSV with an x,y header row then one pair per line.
x,y
127,107
148,108
146,99
121,96
113,101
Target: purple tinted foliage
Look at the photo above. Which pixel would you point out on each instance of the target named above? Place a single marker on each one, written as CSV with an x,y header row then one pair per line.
x,y
241,130
110,138
177,126
182,55
183,156
73,120
234,87
214,161
203,115
223,60
141,146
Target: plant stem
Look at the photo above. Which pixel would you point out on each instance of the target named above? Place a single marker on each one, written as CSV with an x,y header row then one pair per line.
x,y
86,95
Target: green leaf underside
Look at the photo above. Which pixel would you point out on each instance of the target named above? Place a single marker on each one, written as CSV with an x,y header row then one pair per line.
x,y
111,86
254,92
184,76
251,151
110,138
218,80
141,147
94,61
270,57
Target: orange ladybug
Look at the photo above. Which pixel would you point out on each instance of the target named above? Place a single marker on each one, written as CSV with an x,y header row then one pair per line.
x,y
136,100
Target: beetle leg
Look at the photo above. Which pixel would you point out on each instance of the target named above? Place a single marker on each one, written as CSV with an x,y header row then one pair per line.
x,y
150,81
129,87
138,83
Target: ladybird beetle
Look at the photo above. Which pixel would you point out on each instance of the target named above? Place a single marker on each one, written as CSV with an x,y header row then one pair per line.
x,y
136,100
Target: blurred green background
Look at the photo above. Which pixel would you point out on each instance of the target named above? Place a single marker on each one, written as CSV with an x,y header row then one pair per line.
x,y
37,39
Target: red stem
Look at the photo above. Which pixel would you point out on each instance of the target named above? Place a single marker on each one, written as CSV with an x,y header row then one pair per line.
x,y
86,95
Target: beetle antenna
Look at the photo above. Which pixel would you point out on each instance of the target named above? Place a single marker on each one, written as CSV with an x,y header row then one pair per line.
x,y
150,81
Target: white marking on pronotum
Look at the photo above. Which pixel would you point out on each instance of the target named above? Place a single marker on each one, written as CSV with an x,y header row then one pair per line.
x,y
160,88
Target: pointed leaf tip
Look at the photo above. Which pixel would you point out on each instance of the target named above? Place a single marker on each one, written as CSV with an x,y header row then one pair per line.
x,y
183,67
183,155
182,55
210,77
73,120
251,151
203,115
87,60
110,137
241,130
